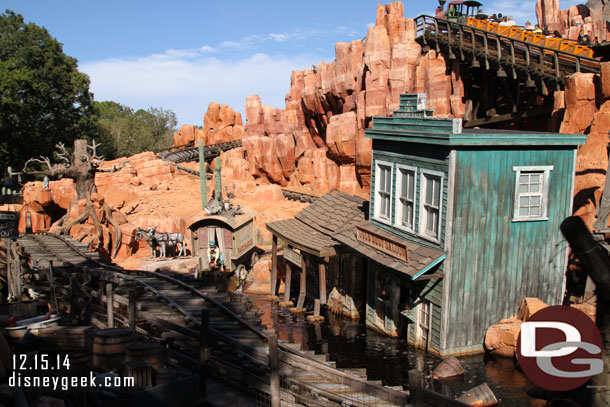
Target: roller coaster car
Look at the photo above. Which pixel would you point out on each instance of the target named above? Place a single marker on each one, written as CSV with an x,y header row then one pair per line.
x,y
459,11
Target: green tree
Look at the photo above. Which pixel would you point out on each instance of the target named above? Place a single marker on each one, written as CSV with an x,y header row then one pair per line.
x,y
44,99
131,132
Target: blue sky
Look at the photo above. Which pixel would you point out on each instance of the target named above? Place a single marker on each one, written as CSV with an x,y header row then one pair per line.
x,y
182,55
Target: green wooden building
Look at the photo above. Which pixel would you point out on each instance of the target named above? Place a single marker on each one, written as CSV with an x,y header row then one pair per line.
x,y
463,224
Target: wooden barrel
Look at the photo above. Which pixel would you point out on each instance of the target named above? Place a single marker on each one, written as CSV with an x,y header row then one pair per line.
x,y
480,396
147,351
449,367
109,348
80,361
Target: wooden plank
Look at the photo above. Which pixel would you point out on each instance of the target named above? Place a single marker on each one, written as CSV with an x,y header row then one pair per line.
x,y
322,282
274,266
302,284
287,282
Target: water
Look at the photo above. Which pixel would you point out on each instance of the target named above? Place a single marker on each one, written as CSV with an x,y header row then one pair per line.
x,y
352,345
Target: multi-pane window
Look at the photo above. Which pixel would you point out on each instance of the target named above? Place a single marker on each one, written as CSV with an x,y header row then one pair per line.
x,y
405,204
531,193
431,204
383,186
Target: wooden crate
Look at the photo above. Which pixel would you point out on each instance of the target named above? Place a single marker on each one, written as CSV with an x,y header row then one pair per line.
x,y
554,43
483,25
503,30
516,33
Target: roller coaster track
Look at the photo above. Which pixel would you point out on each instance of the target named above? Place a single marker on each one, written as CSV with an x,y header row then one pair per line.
x,y
508,55
171,309
192,153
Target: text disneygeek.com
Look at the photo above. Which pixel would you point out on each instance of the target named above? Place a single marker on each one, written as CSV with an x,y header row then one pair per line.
x,y
24,367
66,382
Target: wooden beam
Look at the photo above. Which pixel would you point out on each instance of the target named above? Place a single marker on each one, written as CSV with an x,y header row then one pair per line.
x,y
303,283
109,305
322,281
274,371
274,267
287,282
543,111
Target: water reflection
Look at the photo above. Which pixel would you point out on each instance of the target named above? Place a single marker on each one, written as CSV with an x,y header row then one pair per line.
x,y
388,359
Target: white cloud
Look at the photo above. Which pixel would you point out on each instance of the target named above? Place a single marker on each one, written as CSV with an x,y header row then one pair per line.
x,y
186,82
520,10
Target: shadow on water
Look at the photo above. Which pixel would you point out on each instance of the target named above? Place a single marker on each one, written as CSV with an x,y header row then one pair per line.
x,y
352,345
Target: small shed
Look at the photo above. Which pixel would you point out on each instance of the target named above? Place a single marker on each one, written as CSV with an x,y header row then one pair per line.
x,y
232,230
308,246
464,223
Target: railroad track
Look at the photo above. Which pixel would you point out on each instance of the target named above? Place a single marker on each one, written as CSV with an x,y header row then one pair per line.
x,y
172,309
192,154
300,194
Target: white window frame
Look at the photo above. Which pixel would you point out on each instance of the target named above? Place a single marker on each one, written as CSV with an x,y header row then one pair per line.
x,y
544,195
422,199
377,209
398,205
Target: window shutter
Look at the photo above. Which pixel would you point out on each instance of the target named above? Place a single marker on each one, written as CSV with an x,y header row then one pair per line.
x,y
228,237
202,233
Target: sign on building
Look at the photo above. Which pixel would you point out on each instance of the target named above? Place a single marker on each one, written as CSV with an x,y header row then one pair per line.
x,y
292,256
386,245
9,224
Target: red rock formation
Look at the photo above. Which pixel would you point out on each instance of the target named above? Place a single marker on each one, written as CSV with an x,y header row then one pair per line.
x,y
188,134
328,107
590,19
221,124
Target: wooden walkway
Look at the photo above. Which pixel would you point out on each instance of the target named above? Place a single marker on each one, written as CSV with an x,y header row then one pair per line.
x,y
205,329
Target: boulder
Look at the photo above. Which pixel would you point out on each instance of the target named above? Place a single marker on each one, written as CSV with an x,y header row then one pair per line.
x,y
529,306
501,338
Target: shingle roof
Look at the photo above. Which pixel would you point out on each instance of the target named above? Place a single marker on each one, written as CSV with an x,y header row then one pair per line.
x,y
300,233
419,256
333,211
315,225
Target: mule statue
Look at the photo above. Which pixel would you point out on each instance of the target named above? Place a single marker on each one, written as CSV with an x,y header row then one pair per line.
x,y
165,241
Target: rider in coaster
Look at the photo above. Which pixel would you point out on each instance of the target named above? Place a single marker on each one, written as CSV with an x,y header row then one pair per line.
x,y
214,256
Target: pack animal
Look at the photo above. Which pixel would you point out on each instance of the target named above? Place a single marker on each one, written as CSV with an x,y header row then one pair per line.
x,y
164,241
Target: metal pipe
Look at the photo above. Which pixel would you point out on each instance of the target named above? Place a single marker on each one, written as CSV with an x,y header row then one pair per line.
x,y
202,176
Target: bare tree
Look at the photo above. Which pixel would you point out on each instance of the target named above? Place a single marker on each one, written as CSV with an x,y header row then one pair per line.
x,y
81,167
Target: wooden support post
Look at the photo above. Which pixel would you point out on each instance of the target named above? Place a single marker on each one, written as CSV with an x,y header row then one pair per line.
x,y
110,305
287,282
415,388
9,267
53,293
204,352
316,308
303,282
132,310
274,266
86,274
274,370
322,281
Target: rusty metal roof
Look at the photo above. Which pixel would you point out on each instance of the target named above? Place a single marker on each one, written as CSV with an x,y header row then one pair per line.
x,y
420,257
243,215
312,229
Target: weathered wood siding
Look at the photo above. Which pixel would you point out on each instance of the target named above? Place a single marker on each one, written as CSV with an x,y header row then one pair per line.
x,y
495,262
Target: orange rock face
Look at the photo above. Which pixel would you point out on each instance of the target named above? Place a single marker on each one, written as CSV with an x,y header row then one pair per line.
x,y
321,129
578,20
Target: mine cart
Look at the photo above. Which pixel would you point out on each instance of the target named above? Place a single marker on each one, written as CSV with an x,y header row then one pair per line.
x,y
234,234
